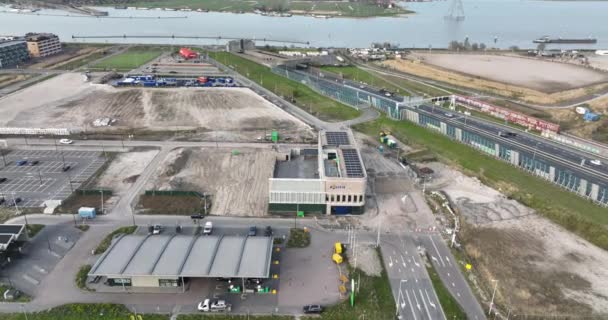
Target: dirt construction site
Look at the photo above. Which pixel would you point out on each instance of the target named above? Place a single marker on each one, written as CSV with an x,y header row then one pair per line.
x,y
528,79
236,179
541,268
71,102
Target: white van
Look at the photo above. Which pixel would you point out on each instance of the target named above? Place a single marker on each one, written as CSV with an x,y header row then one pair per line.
x,y
208,227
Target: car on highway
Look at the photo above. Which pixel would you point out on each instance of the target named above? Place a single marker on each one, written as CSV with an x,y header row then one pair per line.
x,y
596,162
253,230
66,141
507,134
20,163
208,228
209,305
312,308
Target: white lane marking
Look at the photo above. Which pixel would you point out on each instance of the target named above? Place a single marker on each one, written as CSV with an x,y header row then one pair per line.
x,y
410,302
390,261
437,250
424,303
453,285
430,302
458,294
448,260
403,262
417,303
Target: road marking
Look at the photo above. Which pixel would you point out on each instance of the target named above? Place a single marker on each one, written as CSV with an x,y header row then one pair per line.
x,y
430,302
448,260
458,294
415,262
416,298
403,262
390,263
411,306
437,250
453,285
424,303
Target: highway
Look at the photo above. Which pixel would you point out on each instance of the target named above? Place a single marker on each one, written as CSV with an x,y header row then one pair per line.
x,y
575,160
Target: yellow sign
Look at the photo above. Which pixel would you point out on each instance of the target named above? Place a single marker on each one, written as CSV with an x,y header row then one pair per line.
x,y
468,266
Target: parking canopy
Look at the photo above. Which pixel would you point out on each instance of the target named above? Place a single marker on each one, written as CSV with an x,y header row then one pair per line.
x,y
195,256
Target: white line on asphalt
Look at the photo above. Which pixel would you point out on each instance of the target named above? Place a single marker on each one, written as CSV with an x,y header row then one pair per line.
x,y
424,303
403,262
430,301
437,250
416,298
410,303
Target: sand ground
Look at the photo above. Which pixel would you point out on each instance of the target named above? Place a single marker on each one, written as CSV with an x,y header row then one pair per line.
x,y
238,183
67,101
541,267
125,170
537,74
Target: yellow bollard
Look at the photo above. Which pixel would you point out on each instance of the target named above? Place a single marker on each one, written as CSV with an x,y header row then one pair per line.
x,y
276,262
275,276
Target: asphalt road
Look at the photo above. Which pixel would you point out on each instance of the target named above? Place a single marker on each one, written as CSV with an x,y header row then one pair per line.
x,y
557,154
415,297
445,264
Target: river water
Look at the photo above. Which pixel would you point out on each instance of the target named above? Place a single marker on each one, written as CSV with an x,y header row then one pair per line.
x,y
499,23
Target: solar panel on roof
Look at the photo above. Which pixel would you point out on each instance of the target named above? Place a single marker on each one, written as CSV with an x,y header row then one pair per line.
x,y
337,138
352,162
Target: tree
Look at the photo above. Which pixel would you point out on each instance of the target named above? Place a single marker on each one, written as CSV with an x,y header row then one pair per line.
x,y
467,44
482,46
475,46
514,48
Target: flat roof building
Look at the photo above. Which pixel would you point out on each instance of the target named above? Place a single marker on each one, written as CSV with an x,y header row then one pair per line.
x,y
164,260
13,53
10,233
42,44
329,179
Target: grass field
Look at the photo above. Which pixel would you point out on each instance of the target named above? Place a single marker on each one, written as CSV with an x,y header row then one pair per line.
x,y
314,103
352,9
449,305
80,311
356,74
33,229
128,60
81,62
565,208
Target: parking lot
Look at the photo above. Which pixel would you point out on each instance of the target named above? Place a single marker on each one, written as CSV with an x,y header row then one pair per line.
x,y
35,176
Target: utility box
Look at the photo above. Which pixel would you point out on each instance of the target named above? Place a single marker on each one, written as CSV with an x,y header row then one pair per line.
x,y
87,212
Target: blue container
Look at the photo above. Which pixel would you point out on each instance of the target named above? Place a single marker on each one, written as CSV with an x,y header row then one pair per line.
x,y
590,116
87,213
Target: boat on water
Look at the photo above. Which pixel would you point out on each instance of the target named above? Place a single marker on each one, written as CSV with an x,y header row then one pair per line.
x,y
546,39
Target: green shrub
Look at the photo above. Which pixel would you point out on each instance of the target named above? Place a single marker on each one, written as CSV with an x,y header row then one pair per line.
x,y
81,276
107,241
298,238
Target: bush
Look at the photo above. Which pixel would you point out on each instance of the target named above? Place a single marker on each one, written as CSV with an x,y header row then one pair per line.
x,y
83,227
107,241
33,229
81,276
298,238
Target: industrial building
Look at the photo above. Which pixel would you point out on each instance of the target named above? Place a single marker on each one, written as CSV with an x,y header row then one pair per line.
x,y
13,53
170,260
330,179
240,46
42,44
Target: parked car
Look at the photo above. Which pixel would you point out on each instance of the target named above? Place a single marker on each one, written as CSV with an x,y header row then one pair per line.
x,y
268,231
596,162
15,202
2,201
66,168
312,308
157,229
33,163
20,163
209,305
253,230
208,228
66,141
2,179
449,115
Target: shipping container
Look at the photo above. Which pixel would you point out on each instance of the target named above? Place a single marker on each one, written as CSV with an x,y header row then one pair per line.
x,y
87,212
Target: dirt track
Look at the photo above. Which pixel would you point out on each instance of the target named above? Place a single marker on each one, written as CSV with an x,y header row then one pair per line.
x,y
67,101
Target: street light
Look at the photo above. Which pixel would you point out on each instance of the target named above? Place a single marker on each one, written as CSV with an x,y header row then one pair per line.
x,y
493,295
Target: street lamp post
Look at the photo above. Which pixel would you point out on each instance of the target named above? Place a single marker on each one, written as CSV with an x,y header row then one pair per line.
x,y
493,295
23,309
101,191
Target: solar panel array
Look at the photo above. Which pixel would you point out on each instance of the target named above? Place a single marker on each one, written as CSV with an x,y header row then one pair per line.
x,y
352,162
337,138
